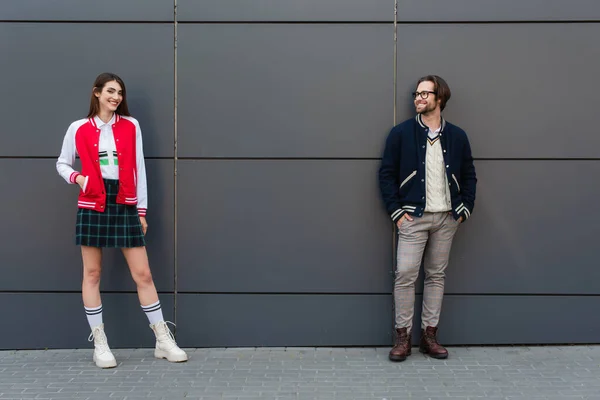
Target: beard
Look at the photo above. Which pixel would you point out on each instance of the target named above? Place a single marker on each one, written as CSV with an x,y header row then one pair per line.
x,y
426,110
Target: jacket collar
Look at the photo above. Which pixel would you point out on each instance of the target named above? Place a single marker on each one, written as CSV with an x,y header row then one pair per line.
x,y
419,119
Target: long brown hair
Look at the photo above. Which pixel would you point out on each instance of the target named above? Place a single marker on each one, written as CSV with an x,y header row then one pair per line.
x,y
440,87
99,83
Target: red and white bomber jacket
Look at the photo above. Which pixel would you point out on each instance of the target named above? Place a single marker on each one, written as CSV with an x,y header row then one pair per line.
x,y
82,139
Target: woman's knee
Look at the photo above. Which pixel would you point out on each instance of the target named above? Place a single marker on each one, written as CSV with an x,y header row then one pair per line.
x,y
143,277
91,276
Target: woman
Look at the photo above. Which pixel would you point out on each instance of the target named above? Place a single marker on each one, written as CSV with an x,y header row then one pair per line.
x,y
112,208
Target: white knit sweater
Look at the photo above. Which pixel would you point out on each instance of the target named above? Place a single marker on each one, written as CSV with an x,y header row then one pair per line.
x,y
437,190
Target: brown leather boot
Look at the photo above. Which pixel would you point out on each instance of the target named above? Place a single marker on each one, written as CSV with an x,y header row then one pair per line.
x,y
429,344
402,348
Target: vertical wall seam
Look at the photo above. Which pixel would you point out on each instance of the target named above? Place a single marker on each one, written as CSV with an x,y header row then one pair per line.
x,y
175,172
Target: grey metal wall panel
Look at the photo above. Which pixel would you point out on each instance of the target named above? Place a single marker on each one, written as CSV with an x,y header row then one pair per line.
x,y
284,90
75,10
488,320
534,230
57,320
285,10
493,10
512,84
282,226
215,320
37,241
52,68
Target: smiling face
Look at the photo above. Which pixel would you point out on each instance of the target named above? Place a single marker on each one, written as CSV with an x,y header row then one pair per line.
x,y
109,97
431,101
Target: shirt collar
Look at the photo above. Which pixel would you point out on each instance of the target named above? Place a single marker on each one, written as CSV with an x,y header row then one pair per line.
x,y
100,123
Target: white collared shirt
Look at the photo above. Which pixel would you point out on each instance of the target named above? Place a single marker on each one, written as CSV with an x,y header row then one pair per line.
x,y
107,149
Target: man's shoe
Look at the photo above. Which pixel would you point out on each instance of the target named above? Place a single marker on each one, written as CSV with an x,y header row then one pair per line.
x,y
402,347
429,344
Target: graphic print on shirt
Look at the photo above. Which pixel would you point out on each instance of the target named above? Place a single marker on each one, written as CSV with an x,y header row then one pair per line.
x,y
106,160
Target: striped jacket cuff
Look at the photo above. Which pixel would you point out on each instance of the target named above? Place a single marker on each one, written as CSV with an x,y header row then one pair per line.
x,y
74,176
142,212
396,215
463,210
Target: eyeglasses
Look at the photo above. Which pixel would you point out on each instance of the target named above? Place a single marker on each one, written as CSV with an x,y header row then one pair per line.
x,y
424,94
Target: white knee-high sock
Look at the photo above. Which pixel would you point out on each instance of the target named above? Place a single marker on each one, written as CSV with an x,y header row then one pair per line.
x,y
153,312
94,316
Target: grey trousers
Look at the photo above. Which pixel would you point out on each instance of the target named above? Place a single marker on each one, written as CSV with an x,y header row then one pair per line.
x,y
429,236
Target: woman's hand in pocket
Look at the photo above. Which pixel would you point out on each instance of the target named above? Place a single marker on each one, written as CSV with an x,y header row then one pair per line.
x,y
81,181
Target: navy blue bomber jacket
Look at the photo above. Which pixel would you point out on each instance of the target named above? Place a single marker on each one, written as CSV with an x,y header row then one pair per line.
x,y
402,170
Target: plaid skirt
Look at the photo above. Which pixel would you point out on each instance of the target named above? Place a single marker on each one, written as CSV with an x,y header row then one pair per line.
x,y
118,226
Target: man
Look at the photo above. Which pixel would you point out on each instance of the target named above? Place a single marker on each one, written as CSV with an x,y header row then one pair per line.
x,y
427,180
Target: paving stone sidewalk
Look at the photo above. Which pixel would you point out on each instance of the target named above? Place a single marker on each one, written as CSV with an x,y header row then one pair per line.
x,y
531,373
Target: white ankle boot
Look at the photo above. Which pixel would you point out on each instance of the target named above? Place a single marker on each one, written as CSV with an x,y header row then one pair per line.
x,y
103,357
165,344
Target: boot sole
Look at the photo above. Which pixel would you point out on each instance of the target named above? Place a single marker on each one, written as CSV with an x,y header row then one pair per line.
x,y
436,356
164,355
399,358
105,364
